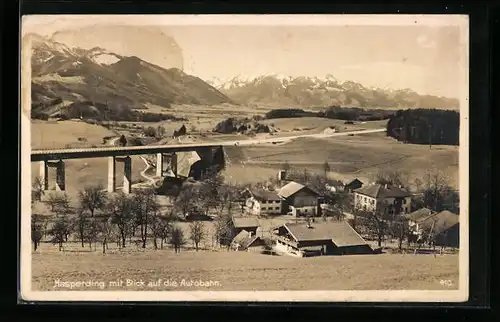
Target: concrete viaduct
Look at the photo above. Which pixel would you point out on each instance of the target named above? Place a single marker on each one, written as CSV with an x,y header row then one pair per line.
x,y
55,159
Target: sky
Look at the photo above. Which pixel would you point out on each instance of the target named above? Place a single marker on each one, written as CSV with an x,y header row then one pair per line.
x,y
428,56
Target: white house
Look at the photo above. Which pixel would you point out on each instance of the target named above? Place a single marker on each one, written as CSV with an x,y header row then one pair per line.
x,y
299,199
262,202
386,198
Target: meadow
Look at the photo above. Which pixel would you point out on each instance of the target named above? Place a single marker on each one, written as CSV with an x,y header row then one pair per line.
x,y
242,270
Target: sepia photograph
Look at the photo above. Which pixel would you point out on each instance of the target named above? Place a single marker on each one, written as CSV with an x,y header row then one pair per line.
x,y
244,158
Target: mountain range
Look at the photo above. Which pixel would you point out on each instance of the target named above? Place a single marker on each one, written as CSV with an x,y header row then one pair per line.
x,y
62,74
280,90
72,74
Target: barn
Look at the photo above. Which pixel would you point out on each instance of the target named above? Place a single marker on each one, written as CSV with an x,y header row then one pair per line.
x,y
325,238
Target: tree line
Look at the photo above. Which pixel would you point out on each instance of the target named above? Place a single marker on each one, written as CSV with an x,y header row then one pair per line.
x,y
334,112
425,126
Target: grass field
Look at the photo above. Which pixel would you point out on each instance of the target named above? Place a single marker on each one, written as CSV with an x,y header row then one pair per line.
x,y
349,157
243,271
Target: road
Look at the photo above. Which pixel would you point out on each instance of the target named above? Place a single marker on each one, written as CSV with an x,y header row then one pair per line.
x,y
143,172
294,137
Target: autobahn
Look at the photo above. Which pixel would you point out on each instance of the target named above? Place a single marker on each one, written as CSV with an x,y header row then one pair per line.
x,y
82,153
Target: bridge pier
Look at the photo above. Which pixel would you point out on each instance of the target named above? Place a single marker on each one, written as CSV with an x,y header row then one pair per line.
x,y
60,174
159,165
168,158
44,174
127,173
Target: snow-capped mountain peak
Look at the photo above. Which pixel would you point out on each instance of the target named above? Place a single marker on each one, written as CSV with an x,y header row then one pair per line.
x,y
322,91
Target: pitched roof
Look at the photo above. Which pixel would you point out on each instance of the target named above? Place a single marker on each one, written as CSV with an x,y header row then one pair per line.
x,y
353,181
440,222
380,191
419,215
265,195
241,222
244,239
340,232
292,188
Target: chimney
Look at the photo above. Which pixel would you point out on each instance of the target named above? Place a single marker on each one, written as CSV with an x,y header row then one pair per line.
x,y
249,234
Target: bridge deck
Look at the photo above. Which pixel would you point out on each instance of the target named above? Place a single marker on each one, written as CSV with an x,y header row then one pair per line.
x,y
101,152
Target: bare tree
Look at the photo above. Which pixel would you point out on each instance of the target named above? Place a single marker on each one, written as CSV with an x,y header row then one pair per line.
x,y
59,231
105,232
177,239
38,188
163,228
400,229
58,202
374,224
326,168
36,230
92,198
120,210
185,200
197,233
438,194
160,227
81,224
228,194
92,231
144,204
223,233
395,178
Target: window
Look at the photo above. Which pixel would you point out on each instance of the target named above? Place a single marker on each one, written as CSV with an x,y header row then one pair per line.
x,y
277,208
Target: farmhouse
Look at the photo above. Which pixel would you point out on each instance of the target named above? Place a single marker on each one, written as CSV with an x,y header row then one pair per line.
x,y
354,184
299,199
326,238
249,224
416,217
246,241
383,198
262,202
442,228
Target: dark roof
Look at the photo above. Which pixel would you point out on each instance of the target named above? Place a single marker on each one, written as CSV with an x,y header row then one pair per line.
x,y
244,239
440,221
340,232
265,195
419,215
353,181
243,222
292,188
380,191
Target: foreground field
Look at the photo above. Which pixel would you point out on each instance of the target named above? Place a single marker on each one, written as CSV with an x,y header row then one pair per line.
x,y
230,271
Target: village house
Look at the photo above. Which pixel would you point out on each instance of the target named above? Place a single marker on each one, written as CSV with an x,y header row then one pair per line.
x,y
299,200
442,228
416,217
262,202
385,198
246,241
335,186
240,223
325,238
353,185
